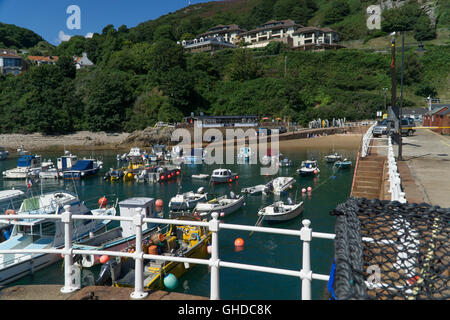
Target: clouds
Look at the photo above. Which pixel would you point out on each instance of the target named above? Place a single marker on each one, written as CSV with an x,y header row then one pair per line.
x,y
62,36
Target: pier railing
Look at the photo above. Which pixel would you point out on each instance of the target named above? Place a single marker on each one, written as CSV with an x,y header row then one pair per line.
x,y
366,140
305,234
395,182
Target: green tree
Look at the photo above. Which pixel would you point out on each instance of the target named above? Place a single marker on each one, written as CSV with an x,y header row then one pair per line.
x,y
423,29
337,12
67,66
243,66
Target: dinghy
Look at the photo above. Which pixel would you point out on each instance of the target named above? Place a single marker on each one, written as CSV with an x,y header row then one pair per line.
x,y
279,185
255,190
280,211
223,205
343,164
187,200
333,157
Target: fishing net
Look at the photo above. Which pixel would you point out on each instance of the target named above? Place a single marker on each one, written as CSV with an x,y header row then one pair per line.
x,y
391,251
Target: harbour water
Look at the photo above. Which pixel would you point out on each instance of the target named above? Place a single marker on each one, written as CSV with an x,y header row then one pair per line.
x,y
330,188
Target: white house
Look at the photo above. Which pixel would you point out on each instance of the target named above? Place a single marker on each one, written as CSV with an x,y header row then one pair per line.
x,y
230,33
271,30
83,62
309,37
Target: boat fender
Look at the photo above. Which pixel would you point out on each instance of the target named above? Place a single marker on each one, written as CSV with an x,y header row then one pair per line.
x,y
232,195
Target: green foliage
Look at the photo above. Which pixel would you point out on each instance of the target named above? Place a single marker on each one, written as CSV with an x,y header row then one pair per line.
x,y
243,66
337,12
403,18
12,36
423,29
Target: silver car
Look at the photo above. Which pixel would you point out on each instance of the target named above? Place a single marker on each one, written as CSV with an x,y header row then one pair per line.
x,y
380,128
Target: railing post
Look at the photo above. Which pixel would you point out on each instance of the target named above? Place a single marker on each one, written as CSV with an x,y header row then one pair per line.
x,y
69,285
306,273
214,260
138,292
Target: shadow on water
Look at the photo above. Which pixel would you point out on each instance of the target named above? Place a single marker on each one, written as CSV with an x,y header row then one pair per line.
x,y
329,189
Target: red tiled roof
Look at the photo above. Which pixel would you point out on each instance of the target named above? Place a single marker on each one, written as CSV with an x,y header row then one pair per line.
x,y
41,58
9,55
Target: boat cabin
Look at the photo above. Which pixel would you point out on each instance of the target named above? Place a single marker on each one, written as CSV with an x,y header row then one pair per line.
x,y
66,162
222,173
128,208
29,161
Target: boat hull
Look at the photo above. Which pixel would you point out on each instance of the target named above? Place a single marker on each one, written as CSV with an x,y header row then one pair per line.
x,y
80,174
284,217
222,210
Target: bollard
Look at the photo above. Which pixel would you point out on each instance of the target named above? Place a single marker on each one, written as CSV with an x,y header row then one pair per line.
x,y
138,292
69,285
214,260
306,273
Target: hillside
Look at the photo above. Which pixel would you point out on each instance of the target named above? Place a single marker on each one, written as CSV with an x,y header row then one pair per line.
x,y
142,76
12,36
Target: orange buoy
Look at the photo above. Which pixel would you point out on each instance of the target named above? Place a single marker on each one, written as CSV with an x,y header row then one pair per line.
x,y
237,177
157,238
104,259
239,242
159,203
309,189
316,172
153,250
102,202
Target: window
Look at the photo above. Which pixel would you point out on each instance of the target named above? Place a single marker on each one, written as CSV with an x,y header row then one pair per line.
x,y
48,229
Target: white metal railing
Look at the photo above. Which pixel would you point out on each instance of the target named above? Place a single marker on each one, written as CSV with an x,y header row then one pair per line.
x,y
395,183
366,140
214,225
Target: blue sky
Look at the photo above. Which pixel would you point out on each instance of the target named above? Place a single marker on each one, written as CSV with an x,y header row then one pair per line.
x,y
48,17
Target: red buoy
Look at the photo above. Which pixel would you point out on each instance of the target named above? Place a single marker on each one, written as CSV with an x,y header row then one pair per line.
x,y
102,202
104,259
159,203
239,242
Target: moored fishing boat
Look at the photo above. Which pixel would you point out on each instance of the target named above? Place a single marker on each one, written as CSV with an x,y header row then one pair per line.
x,y
43,233
224,205
308,168
223,176
180,241
279,185
3,153
333,157
83,168
280,211
28,166
345,164
255,190
187,200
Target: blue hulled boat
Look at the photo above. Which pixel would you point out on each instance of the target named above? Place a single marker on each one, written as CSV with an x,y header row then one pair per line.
x,y
83,168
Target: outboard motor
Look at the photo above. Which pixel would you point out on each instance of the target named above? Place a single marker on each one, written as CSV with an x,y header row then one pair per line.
x,y
105,276
201,190
289,201
232,195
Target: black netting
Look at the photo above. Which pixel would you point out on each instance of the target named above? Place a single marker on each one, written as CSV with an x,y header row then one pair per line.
x,y
407,258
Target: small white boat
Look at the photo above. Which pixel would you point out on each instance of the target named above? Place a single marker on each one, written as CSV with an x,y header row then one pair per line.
x,y
279,185
279,211
285,162
345,164
255,190
43,233
333,157
8,201
27,166
308,168
3,153
224,205
223,176
200,176
187,200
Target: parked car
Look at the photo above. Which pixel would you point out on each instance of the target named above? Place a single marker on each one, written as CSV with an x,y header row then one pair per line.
x,y
281,130
407,126
264,132
380,128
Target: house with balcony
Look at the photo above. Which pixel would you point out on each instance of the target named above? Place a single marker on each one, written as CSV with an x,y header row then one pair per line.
x,y
39,60
206,44
271,31
315,38
229,33
10,62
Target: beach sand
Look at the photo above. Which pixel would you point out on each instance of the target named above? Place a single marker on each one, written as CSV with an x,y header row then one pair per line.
x,y
85,140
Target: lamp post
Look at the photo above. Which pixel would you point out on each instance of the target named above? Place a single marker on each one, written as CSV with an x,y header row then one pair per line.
x,y
385,97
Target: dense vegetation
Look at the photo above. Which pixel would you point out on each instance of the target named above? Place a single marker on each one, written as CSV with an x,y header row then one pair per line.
x,y
12,36
142,76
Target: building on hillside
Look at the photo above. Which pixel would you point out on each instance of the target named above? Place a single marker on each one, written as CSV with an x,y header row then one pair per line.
x,y
230,33
10,62
206,44
270,31
43,60
222,121
83,61
315,38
